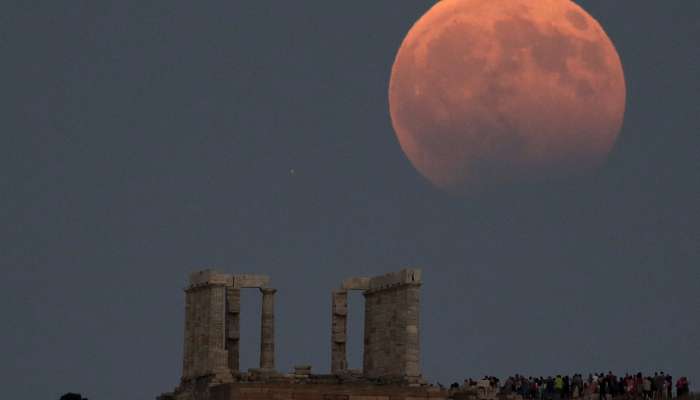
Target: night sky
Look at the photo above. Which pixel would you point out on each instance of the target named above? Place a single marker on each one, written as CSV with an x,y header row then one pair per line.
x,y
144,141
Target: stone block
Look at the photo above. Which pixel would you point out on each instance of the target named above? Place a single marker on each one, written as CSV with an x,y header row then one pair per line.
x,y
209,277
250,281
405,276
233,300
358,283
302,370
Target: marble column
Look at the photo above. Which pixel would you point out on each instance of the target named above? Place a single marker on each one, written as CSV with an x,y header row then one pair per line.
x,y
339,330
233,327
267,331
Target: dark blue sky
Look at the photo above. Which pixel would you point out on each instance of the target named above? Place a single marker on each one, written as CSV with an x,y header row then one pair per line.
x,y
140,142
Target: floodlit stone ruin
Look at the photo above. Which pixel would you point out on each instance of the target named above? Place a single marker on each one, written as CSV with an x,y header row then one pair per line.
x,y
212,326
391,356
392,345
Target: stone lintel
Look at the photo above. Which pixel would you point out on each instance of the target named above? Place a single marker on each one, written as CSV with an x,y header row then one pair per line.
x,y
238,281
357,283
403,277
250,281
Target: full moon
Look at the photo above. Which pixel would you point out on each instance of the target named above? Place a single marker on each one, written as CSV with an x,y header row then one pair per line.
x,y
486,93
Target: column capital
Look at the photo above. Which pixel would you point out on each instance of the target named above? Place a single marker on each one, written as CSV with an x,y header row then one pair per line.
x,y
268,291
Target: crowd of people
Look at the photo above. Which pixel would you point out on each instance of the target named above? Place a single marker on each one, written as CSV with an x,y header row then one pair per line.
x,y
597,386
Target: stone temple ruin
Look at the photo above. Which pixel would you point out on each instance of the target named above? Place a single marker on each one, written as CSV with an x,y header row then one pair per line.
x,y
212,325
391,356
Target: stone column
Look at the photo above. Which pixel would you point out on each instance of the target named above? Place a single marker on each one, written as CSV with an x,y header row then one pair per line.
x,y
372,335
190,345
233,327
267,330
339,361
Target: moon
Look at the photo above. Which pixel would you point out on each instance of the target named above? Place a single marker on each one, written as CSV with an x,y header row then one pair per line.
x,y
485,93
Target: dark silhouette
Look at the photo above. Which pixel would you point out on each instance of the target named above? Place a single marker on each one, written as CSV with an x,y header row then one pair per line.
x,y
598,386
73,396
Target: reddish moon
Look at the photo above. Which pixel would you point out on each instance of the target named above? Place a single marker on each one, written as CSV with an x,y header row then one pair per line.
x,y
491,92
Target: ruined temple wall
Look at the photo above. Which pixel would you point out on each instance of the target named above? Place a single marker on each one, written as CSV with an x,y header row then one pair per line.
x,y
392,342
212,324
205,349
